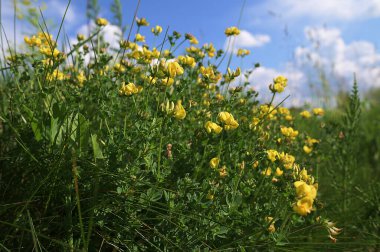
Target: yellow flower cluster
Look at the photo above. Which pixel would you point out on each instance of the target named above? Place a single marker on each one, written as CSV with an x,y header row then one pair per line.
x,y
174,69
229,121
156,30
279,84
286,113
56,75
81,78
139,38
129,89
232,31
187,60
289,132
208,75
213,127
209,49
192,39
308,147
305,114
306,195
223,171
271,227
101,22
318,111
230,76
179,111
33,41
142,22
243,52
214,162
287,160
45,43
267,111
272,155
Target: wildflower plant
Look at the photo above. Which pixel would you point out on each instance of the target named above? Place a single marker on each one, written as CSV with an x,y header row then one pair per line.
x,y
145,149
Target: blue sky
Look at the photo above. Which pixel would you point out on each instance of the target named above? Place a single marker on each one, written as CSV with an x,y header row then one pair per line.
x,y
290,37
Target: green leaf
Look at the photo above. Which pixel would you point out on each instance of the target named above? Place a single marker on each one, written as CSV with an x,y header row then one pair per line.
x,y
98,154
55,131
83,133
36,131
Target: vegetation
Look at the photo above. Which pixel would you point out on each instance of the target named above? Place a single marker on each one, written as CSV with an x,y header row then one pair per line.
x,y
146,148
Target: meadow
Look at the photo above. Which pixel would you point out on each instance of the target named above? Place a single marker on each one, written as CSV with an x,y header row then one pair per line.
x,y
155,148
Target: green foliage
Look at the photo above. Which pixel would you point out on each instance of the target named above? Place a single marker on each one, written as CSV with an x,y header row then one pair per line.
x,y
116,154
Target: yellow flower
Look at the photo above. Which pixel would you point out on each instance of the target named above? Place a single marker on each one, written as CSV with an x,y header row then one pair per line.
x,y
289,132
255,164
193,40
242,52
187,60
279,172
33,41
214,162
219,97
130,89
157,30
279,84
272,155
139,38
81,78
288,118
305,190
311,141
101,22
307,149
271,227
119,68
168,81
268,111
210,196
47,62
223,172
232,31
283,111
174,69
80,37
228,120
213,127
167,107
305,114
287,160
303,206
305,177
267,172
142,22
56,75
210,49
318,111
179,111
48,52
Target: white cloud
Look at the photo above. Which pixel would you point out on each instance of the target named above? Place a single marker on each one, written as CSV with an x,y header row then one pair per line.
x,y
344,10
263,76
111,33
326,53
58,8
246,40
340,60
